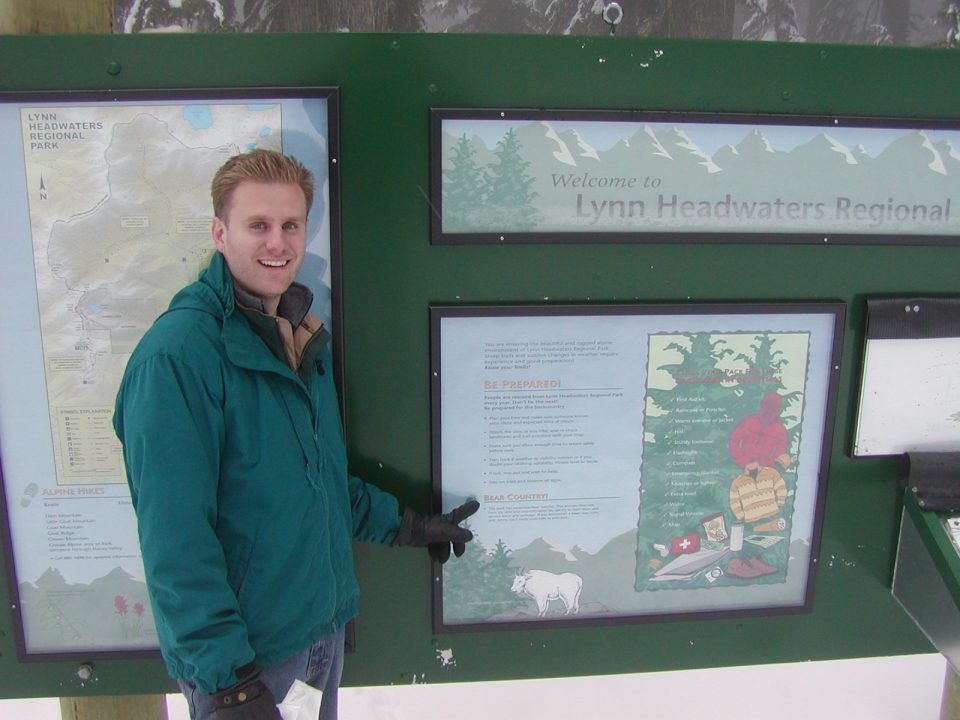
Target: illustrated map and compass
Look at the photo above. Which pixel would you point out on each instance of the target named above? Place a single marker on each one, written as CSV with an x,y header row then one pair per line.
x,y
110,205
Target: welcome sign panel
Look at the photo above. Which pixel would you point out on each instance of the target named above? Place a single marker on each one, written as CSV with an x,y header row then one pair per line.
x,y
631,461
542,176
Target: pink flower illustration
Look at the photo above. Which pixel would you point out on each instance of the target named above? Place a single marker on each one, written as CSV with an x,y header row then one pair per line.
x,y
120,603
138,609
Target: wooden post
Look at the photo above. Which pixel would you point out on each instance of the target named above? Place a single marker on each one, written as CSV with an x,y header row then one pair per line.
x,y
36,17
125,707
950,705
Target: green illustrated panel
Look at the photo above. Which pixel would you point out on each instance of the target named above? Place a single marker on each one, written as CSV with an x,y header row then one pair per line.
x,y
722,461
391,273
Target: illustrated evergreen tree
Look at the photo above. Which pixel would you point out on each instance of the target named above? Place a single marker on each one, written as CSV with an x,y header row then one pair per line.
x,y
477,586
464,583
673,422
767,363
499,579
462,189
509,197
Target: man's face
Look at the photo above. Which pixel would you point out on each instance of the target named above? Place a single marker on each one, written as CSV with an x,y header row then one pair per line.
x,y
263,237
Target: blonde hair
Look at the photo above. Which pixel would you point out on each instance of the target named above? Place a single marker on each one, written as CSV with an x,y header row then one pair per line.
x,y
265,166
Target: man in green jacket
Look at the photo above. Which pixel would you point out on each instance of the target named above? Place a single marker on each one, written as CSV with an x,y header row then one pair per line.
x,y
234,452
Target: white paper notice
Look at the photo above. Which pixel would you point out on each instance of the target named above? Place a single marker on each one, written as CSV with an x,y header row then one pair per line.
x,y
909,397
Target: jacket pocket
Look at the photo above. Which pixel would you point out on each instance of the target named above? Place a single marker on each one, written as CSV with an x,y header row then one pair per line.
x,y
238,567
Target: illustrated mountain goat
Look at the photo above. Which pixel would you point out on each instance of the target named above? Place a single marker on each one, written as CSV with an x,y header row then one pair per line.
x,y
545,586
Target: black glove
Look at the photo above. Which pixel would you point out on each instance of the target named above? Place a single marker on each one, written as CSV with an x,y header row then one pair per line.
x,y
437,532
249,699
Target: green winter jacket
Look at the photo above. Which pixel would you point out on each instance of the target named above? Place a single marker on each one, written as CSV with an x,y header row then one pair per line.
x,y
238,475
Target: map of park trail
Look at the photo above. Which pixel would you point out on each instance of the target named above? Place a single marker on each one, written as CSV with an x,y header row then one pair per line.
x,y
120,220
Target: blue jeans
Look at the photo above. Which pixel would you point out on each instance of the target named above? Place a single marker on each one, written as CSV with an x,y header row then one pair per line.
x,y
320,666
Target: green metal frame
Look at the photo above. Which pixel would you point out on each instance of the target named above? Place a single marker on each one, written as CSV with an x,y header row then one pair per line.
x,y
391,273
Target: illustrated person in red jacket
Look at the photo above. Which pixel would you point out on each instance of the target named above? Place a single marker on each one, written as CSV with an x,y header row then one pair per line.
x,y
761,438
758,444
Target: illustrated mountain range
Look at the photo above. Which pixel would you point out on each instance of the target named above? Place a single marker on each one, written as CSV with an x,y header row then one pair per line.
x,y
911,169
62,613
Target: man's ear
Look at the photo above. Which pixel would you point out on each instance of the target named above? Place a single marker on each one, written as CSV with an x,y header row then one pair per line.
x,y
218,229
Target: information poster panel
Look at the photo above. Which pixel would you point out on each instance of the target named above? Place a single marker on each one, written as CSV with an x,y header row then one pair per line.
x,y
632,461
603,176
107,200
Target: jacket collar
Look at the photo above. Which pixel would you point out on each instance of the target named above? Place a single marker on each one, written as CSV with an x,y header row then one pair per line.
x,y
294,303
243,344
